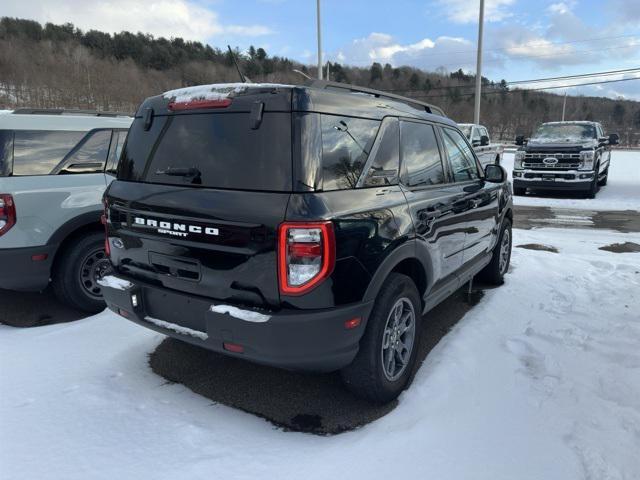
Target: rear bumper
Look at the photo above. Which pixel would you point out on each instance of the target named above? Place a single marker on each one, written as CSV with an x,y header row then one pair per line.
x,y
20,272
311,340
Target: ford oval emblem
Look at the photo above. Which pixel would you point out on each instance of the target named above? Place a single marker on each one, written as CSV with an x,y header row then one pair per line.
x,y
550,161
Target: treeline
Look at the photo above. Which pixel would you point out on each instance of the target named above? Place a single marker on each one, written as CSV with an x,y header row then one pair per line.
x,y
62,66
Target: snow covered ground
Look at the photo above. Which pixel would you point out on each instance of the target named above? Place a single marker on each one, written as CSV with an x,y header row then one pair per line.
x,y
621,193
541,380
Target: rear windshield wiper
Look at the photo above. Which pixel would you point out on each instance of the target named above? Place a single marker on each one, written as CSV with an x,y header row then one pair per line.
x,y
180,172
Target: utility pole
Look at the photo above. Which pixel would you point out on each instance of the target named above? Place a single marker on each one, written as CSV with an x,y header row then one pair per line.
x,y
328,71
476,111
564,104
319,42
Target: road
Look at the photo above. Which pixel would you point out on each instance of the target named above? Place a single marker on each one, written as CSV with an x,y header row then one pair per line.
x,y
274,393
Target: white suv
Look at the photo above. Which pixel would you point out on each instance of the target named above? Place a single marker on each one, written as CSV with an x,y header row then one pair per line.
x,y
54,168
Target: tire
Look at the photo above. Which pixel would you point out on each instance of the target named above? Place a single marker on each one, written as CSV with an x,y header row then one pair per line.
x,y
593,188
76,271
495,271
518,191
367,377
603,182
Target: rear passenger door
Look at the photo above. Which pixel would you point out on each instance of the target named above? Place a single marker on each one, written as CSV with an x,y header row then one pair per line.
x,y
479,200
432,199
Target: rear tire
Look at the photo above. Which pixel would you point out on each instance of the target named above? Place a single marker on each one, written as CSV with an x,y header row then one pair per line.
x,y
385,362
495,271
77,269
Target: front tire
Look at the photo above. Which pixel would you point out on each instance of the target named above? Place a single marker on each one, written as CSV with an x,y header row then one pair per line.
x,y
593,188
495,271
77,270
603,182
384,365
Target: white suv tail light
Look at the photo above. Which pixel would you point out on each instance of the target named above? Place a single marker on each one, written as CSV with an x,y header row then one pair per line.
x,y
7,213
306,255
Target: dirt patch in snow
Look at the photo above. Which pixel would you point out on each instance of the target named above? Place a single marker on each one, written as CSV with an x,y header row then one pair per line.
x,y
626,247
301,402
539,247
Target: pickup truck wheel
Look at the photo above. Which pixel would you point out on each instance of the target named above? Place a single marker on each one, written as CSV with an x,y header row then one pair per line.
x,y
594,187
603,182
495,271
77,271
386,359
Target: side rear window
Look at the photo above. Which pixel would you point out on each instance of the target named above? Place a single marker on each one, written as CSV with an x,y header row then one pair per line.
x,y
422,164
89,157
461,159
117,142
39,152
384,163
346,143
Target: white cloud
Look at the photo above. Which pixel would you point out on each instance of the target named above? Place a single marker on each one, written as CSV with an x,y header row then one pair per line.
x,y
166,18
466,11
563,41
448,52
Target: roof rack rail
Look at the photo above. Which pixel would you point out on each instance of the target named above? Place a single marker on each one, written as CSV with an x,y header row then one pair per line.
x,y
66,111
324,84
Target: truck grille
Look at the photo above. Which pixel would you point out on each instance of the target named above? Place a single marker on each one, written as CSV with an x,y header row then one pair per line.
x,y
566,161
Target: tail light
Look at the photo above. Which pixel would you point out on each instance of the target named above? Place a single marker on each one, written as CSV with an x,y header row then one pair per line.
x,y
104,219
195,104
7,213
306,255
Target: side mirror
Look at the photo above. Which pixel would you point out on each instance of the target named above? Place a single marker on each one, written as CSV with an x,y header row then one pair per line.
x,y
484,141
495,173
614,139
520,140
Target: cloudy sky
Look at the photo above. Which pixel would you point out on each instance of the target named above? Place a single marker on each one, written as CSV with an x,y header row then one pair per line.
x,y
524,39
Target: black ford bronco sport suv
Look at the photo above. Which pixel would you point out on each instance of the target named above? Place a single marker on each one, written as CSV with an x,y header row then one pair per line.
x,y
572,156
308,228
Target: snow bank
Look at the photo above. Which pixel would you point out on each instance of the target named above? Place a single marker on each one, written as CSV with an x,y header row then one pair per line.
x,y
541,380
246,315
621,193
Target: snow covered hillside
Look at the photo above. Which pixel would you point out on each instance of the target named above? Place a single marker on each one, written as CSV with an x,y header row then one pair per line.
x,y
621,193
541,380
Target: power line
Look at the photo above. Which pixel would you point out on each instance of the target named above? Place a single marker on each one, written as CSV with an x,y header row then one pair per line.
x,y
534,80
584,75
520,90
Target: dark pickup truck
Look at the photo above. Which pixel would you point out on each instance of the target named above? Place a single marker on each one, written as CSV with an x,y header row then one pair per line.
x,y
571,156
307,228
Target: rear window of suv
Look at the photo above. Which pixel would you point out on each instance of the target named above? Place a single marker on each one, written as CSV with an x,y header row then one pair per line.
x,y
39,152
215,150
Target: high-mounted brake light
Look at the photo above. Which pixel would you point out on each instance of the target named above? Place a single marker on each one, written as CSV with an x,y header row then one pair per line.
x,y
306,255
7,213
195,104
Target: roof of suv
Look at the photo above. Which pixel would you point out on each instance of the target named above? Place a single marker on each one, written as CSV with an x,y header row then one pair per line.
x,y
52,120
318,96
